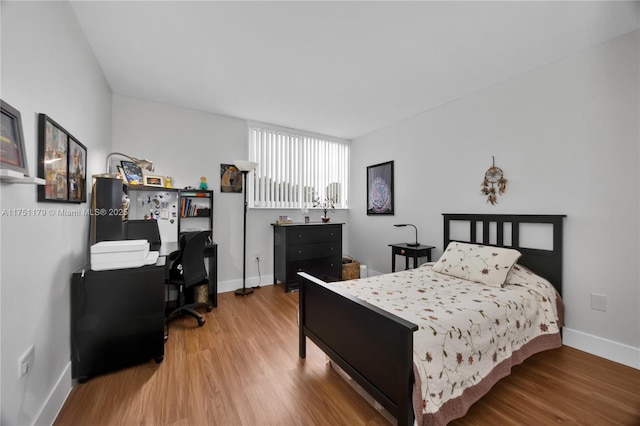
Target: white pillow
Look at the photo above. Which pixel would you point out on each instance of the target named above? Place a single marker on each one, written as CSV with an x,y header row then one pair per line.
x,y
473,262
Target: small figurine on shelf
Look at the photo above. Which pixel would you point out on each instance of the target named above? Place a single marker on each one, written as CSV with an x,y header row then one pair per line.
x,y
169,182
203,183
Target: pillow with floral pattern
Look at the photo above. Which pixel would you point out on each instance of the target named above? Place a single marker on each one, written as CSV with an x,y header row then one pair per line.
x,y
483,264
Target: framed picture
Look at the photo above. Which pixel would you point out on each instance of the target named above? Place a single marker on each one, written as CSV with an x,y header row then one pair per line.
x,y
380,189
62,163
121,174
153,180
12,153
132,172
230,178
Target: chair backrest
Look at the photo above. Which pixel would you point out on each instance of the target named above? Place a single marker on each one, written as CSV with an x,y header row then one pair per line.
x,y
191,258
142,230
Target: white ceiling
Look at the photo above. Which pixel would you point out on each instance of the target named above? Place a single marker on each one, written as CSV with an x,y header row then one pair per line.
x,y
337,68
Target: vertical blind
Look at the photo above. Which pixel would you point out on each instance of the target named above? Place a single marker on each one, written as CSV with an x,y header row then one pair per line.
x,y
293,169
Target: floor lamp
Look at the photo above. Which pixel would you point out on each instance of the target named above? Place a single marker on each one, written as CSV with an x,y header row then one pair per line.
x,y
245,167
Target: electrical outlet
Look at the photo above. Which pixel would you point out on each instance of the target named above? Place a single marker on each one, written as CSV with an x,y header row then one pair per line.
x,y
256,256
25,362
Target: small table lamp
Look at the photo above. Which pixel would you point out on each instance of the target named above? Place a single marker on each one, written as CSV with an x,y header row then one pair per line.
x,y
400,225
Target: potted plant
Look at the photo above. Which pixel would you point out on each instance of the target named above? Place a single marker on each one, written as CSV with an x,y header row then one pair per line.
x,y
327,204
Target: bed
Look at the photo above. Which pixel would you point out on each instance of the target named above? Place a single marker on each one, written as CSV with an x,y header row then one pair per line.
x,y
381,350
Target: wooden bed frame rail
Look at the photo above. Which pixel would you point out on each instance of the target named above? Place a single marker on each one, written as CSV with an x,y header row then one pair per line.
x,y
374,347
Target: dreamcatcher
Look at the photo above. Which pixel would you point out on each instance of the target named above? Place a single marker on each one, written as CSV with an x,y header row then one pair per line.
x,y
493,177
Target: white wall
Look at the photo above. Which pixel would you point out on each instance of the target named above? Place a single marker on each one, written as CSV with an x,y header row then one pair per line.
x,y
47,67
567,137
186,144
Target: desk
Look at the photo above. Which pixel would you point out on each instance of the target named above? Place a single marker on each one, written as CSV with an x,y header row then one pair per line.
x,y
408,251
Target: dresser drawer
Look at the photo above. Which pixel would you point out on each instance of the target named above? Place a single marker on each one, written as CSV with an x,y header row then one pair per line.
x,y
314,234
311,251
328,268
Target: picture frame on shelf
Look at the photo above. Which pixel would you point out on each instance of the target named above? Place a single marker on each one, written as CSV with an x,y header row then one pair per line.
x,y
121,174
132,172
12,151
153,180
62,163
380,197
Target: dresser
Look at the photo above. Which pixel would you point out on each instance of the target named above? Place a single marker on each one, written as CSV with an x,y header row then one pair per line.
x,y
315,248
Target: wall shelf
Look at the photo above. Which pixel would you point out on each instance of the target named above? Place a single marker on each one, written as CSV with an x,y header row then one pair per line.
x,y
12,176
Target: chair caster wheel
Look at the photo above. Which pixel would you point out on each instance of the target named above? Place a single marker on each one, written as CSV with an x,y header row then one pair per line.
x,y
200,322
209,308
158,359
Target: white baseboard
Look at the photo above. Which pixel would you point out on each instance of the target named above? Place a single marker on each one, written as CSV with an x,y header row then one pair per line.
x,y
605,348
372,273
233,285
56,399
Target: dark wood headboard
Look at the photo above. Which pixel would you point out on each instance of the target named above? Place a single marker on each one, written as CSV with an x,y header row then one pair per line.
x,y
545,262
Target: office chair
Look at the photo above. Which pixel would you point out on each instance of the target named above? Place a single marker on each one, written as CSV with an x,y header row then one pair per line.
x,y
143,230
187,270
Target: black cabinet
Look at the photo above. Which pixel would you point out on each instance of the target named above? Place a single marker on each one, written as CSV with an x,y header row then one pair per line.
x,y
315,248
117,319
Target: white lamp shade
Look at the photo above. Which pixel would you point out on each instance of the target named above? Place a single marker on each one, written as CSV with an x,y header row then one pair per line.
x,y
245,166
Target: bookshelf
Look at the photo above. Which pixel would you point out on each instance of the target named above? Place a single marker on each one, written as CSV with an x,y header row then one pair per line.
x,y
195,210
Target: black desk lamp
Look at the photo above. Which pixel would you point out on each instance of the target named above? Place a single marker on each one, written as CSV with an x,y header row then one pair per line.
x,y
245,167
400,225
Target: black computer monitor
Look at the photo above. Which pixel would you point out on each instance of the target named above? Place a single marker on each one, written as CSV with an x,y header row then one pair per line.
x,y
143,230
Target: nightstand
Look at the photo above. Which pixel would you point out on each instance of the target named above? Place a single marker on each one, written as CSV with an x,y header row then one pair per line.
x,y
409,251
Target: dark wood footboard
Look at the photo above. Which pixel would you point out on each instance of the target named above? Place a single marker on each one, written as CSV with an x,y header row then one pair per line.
x,y
373,346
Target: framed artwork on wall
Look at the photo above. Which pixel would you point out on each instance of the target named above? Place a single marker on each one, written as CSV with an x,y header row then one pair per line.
x,y
380,189
230,178
62,163
12,152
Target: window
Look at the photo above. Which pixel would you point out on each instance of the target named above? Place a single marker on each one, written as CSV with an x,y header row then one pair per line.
x,y
296,167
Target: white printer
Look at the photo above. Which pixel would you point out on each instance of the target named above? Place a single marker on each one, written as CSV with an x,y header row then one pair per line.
x,y
121,254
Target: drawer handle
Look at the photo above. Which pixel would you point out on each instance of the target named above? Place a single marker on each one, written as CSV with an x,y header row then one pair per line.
x,y
299,251
299,235
331,248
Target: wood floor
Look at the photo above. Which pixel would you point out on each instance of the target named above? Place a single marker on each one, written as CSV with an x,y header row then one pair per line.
x,y
242,368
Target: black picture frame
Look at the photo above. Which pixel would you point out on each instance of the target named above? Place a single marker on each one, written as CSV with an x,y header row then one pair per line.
x,y
62,163
380,198
230,179
132,172
12,152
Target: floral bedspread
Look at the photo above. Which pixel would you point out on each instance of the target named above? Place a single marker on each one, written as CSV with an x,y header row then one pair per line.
x,y
465,328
